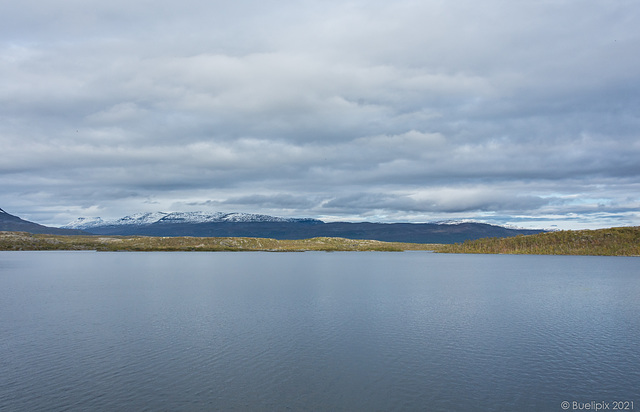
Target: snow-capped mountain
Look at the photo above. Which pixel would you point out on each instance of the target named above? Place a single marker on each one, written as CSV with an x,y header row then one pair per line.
x,y
254,225
83,223
144,219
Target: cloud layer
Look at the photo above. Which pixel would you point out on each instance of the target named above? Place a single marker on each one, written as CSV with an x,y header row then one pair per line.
x,y
521,112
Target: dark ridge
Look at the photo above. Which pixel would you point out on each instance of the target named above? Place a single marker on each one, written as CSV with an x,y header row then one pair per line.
x,y
11,223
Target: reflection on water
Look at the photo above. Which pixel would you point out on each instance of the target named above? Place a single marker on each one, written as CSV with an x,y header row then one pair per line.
x,y
315,331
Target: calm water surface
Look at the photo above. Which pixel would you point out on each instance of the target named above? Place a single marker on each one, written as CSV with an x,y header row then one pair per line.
x,y
316,331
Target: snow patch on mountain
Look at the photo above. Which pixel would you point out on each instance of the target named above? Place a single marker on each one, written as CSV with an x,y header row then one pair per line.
x,y
191,217
84,223
456,221
144,219
138,219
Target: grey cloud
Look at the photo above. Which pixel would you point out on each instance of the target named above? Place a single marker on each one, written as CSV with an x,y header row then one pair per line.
x,y
388,110
439,200
277,201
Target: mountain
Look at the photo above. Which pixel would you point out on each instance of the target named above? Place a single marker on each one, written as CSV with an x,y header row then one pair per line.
x,y
13,223
200,224
177,218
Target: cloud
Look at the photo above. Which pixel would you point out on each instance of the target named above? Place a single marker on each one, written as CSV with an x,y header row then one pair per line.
x,y
118,113
499,111
272,201
438,200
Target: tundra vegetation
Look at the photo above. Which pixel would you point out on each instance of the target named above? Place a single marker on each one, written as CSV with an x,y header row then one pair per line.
x,y
28,241
621,241
618,241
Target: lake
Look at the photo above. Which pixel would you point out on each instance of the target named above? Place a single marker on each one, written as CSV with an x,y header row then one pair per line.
x,y
354,331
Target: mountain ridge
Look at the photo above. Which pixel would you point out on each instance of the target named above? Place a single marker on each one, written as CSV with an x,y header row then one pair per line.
x,y
142,219
221,224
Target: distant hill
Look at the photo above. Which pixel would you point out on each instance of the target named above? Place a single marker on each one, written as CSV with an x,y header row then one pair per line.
x,y
617,241
200,224
13,223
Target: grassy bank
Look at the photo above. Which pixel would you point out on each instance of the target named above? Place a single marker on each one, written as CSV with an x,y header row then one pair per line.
x,y
28,241
620,241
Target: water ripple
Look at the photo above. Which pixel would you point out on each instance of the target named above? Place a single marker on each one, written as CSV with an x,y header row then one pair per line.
x,y
315,332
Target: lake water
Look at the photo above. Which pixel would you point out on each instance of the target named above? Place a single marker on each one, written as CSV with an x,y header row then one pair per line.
x,y
351,331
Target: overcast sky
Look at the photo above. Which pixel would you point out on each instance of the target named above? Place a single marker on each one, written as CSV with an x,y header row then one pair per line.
x,y
514,112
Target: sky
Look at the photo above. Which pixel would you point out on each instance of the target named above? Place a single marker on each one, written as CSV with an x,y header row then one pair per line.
x,y
514,112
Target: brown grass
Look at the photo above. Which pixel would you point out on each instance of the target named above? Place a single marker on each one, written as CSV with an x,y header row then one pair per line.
x,y
619,241
28,241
